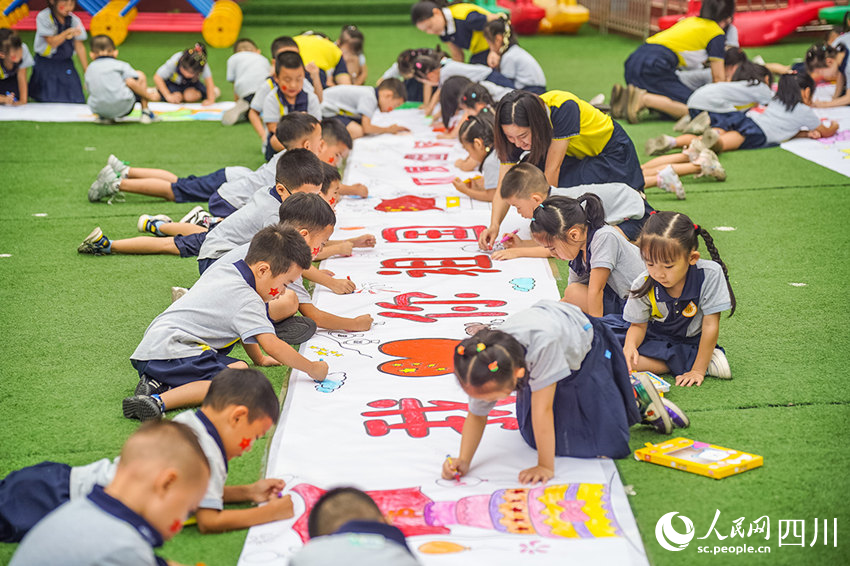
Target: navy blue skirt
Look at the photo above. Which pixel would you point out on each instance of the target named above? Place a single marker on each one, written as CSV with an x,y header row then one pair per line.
x,y
55,80
593,407
618,162
196,84
653,68
29,494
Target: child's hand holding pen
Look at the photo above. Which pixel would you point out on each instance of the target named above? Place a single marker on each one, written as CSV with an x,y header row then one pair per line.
x,y
454,468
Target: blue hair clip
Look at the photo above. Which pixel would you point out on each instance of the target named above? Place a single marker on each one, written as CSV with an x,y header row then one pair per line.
x,y
541,206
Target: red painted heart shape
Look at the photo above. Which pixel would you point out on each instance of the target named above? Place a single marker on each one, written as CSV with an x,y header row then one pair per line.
x,y
419,357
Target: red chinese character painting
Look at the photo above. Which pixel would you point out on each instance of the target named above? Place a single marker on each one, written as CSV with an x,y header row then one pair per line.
x,y
422,266
432,234
463,305
414,416
426,169
427,156
426,181
428,144
407,203
419,357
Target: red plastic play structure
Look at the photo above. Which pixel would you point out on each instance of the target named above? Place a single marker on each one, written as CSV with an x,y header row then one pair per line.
x,y
525,15
761,28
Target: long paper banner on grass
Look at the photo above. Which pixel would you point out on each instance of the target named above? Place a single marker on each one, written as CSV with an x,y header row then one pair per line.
x,y
56,112
833,152
391,409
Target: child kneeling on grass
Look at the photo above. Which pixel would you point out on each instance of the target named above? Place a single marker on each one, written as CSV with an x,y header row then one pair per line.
x,y
185,346
111,510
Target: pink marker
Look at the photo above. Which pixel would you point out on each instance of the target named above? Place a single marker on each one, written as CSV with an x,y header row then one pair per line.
x,y
508,236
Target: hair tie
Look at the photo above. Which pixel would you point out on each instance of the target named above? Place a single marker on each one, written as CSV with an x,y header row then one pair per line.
x,y
653,212
541,206
480,347
494,367
460,350
472,95
696,227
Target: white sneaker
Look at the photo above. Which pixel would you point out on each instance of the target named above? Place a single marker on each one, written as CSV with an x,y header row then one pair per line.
x,y
177,292
699,124
669,181
711,139
718,366
148,117
597,100
235,114
682,123
147,223
198,216
106,185
121,168
694,150
710,165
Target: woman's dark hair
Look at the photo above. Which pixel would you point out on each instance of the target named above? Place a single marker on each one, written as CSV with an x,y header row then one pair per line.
x,y
717,10
194,59
490,356
478,127
450,92
473,94
9,40
500,26
668,236
817,55
753,73
526,110
424,10
789,90
556,215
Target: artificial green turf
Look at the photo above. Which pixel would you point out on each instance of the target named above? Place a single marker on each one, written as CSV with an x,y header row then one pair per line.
x,y
70,322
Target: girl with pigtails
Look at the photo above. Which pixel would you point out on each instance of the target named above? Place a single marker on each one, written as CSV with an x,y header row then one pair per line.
x,y
573,393
603,263
186,77
675,305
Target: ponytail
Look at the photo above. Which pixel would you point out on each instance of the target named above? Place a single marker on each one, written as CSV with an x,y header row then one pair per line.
x,y
450,93
817,55
556,215
488,357
478,127
475,93
668,236
500,26
789,90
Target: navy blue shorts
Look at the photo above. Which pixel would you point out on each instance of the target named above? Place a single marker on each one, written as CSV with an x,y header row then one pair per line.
x,y
204,264
479,58
346,120
28,494
536,89
632,227
197,85
739,122
220,207
181,371
618,162
498,78
269,151
190,246
653,68
198,189
593,407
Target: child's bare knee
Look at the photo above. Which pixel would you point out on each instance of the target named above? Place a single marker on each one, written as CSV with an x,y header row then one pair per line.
x,y
355,129
238,365
191,95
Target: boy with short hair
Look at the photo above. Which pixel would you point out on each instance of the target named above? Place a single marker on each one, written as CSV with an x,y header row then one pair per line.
x,y
331,186
346,525
247,68
297,170
355,106
288,96
114,86
187,345
338,143
525,187
71,518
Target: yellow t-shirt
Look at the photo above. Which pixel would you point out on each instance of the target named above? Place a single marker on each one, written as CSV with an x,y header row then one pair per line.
x,y
588,129
319,50
693,40
469,20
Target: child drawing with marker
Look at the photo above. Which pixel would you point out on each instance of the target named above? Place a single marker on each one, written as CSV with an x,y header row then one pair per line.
x,y
675,305
574,397
476,137
331,190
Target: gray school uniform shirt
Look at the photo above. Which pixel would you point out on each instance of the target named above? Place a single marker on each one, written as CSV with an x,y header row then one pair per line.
x,y
350,100
620,201
239,252
109,95
475,73
239,191
83,533
556,337
273,109
521,67
713,298
26,62
352,549
726,97
168,70
238,228
247,71
780,125
490,170
45,26
611,250
216,312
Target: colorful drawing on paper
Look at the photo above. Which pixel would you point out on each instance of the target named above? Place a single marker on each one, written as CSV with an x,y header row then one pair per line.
x,y
431,234
571,511
462,305
419,357
429,181
334,336
414,416
422,266
373,288
840,136
473,328
441,547
407,203
426,169
332,382
427,156
427,144
522,284
325,352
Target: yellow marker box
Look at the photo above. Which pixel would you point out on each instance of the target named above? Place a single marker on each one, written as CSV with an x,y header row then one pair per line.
x,y
699,458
